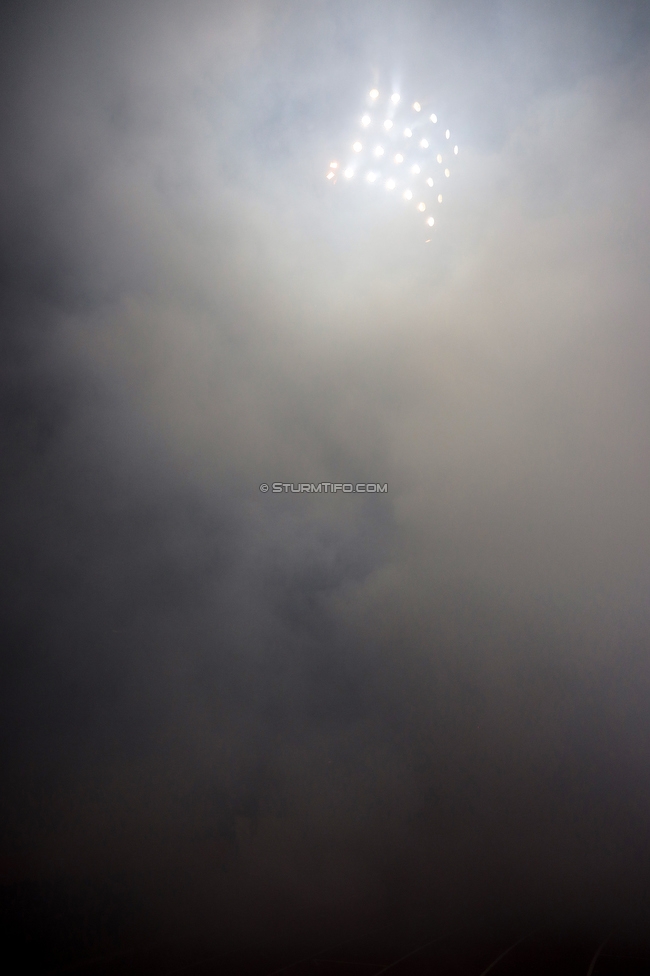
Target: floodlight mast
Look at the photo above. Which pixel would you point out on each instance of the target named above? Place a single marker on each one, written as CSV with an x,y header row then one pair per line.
x,y
403,126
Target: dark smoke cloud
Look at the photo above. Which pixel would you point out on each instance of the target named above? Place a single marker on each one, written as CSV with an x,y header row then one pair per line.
x,y
286,712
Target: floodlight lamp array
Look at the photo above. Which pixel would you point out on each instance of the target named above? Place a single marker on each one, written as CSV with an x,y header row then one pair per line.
x,y
386,139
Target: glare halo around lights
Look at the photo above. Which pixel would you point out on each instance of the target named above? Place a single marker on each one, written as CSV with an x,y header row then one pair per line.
x,y
410,137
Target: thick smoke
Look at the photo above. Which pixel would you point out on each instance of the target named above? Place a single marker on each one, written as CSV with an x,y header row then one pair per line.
x,y
250,714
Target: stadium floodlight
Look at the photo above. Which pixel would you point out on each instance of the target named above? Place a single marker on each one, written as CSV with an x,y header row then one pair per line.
x,y
400,162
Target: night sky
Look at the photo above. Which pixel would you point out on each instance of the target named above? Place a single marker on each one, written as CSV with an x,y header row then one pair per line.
x,y
250,714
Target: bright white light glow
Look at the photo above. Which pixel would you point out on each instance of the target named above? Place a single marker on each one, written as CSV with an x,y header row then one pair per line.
x,y
364,160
